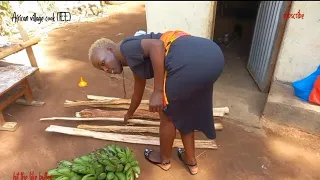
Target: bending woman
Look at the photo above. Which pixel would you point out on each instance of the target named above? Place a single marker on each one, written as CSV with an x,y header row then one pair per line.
x,y
184,69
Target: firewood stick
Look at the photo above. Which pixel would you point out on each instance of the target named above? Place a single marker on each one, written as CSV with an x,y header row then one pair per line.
x,y
133,139
216,112
94,97
105,104
128,129
78,114
120,129
217,126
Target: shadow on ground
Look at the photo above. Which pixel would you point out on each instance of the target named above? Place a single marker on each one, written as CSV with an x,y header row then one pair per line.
x,y
241,155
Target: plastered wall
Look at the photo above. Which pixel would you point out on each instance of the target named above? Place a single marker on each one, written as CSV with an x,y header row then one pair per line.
x,y
195,17
300,50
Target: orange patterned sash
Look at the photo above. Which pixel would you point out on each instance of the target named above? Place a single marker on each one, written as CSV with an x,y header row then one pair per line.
x,y
168,37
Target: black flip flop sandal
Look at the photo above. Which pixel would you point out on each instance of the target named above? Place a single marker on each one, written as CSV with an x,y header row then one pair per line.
x,y
147,153
180,152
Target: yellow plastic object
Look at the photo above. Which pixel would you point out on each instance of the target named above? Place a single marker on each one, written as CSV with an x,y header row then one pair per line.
x,y
82,83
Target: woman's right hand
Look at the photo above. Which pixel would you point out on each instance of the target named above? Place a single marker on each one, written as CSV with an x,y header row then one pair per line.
x,y
139,85
126,117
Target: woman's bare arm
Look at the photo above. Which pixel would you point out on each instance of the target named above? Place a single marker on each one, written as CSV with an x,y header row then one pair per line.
x,y
154,49
139,86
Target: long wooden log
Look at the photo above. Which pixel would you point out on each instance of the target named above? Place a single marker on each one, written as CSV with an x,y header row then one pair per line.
x,y
94,97
138,114
120,129
134,139
128,129
105,104
130,121
124,104
218,126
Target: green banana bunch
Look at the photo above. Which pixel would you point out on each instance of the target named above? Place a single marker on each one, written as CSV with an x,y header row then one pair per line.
x,y
108,163
131,166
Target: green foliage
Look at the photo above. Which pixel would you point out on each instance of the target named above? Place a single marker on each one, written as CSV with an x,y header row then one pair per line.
x,y
47,6
6,11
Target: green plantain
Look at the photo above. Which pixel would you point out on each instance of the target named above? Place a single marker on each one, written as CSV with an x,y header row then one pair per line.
x,y
80,161
121,155
76,177
102,176
62,171
129,175
110,175
110,168
105,162
128,152
78,168
102,156
120,176
89,177
118,149
127,167
115,161
136,169
134,163
124,160
54,172
98,168
64,163
119,168
112,149
63,178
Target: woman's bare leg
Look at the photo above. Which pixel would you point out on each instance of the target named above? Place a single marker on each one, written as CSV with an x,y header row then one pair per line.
x,y
167,136
189,156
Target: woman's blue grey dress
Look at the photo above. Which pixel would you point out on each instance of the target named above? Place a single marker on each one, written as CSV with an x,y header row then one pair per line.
x,y
194,64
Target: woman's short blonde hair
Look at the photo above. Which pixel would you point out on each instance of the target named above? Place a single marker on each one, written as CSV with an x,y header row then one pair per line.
x,y
100,44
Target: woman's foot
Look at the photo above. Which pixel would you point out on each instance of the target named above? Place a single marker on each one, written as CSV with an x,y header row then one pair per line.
x,y
154,158
191,165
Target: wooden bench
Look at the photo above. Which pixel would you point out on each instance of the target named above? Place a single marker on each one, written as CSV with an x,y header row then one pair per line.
x,y
13,85
25,45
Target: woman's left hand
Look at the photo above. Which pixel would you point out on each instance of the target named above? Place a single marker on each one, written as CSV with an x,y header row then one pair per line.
x,y
156,102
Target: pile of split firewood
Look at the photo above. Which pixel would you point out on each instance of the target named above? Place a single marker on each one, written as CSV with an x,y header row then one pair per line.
x,y
142,122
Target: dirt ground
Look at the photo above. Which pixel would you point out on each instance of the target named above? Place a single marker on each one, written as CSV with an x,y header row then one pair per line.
x,y
281,154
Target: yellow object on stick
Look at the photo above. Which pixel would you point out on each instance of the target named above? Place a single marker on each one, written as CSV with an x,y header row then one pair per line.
x,y
82,83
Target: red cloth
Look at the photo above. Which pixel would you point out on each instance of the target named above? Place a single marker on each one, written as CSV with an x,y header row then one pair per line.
x,y
314,96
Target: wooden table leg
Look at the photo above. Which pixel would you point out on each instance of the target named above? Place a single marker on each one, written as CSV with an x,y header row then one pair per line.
x,y
28,100
7,126
27,91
